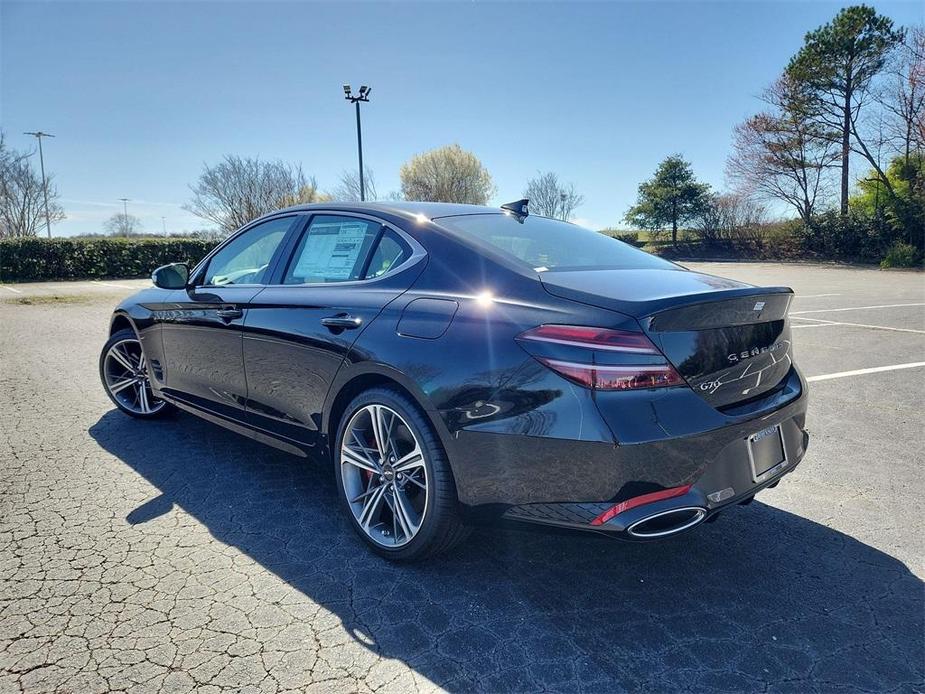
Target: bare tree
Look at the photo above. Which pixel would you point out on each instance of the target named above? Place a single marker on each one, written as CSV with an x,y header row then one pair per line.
x,y
447,174
348,190
903,96
781,154
121,224
732,218
550,198
239,189
22,205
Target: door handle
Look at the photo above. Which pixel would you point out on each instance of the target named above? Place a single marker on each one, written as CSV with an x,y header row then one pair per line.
x,y
229,313
342,322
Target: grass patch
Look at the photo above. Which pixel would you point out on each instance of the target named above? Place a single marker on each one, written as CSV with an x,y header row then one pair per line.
x,y
49,299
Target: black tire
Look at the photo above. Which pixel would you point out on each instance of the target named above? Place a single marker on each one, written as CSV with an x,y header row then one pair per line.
x,y
160,408
441,528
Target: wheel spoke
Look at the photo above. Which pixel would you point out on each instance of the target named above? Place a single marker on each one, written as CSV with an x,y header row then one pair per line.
x,y
404,513
141,363
358,459
367,452
117,354
371,506
380,431
414,480
122,385
363,495
410,461
392,504
143,397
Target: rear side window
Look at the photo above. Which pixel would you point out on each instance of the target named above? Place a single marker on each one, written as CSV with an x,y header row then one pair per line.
x,y
547,244
344,249
391,252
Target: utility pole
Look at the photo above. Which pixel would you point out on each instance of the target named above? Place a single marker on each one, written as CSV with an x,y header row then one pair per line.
x,y
363,96
38,135
164,224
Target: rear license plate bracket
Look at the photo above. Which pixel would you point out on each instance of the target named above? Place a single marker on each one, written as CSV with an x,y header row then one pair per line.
x,y
767,453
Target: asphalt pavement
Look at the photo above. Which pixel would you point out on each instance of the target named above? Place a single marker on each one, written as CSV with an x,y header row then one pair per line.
x,y
177,556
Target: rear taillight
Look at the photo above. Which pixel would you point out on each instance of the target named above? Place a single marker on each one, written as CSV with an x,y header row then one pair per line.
x,y
608,376
595,338
602,377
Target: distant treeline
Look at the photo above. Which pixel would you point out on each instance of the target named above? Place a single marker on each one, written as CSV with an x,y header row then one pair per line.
x,y
38,259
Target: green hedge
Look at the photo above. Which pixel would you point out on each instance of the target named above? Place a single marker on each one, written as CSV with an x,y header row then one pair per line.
x,y
37,259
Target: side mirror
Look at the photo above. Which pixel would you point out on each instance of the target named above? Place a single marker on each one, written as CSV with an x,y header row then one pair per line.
x,y
173,276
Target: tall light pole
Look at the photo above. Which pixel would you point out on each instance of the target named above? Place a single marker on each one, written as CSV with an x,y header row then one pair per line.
x,y
38,135
164,224
124,216
362,96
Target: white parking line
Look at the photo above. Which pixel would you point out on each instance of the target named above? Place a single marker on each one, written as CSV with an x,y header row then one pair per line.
x,y
10,289
852,308
813,296
110,284
826,324
818,323
861,372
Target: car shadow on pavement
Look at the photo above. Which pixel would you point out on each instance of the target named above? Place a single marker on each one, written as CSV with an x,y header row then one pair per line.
x,y
762,598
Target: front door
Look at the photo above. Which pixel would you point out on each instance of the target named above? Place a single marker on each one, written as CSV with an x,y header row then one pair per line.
x,y
343,271
201,326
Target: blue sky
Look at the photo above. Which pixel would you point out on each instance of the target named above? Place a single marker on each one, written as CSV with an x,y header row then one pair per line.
x,y
140,94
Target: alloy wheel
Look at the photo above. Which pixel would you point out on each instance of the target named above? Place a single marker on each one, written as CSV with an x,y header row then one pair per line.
x,y
384,475
126,374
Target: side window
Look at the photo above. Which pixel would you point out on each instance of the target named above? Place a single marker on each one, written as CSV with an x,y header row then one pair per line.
x,y
246,259
332,249
390,252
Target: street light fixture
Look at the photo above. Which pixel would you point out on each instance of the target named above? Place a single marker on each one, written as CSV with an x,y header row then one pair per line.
x,y
38,135
362,96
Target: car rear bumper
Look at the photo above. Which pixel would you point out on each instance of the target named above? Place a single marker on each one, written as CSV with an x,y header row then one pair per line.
x,y
727,482
571,483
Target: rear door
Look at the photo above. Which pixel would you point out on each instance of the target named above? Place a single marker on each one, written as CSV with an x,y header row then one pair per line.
x,y
201,326
341,271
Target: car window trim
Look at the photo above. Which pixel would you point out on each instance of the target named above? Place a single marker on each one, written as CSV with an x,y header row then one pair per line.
x,y
417,251
288,247
373,247
198,273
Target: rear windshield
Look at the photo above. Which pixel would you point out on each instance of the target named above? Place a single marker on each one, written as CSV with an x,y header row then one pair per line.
x,y
547,244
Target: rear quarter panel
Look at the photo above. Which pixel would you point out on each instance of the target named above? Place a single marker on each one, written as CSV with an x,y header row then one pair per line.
x,y
473,377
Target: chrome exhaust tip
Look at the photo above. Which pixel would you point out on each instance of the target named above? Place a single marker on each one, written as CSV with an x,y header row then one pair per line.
x,y
667,523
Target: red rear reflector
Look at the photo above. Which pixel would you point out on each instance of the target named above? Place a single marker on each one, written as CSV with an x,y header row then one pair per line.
x,y
595,338
640,501
603,377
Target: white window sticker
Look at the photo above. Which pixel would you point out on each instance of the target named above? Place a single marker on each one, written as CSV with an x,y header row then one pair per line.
x,y
331,251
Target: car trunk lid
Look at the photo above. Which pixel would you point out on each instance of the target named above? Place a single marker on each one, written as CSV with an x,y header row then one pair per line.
x,y
729,340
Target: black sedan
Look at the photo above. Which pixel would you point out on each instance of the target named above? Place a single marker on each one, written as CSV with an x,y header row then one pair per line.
x,y
458,363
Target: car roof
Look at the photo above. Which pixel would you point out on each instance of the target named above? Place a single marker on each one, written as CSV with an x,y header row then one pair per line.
x,y
411,211
431,210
